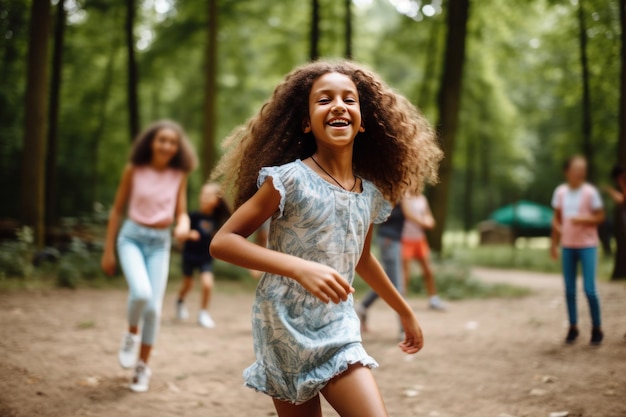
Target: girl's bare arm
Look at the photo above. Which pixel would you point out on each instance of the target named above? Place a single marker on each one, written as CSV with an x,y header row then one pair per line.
x,y
181,233
108,261
373,273
555,235
594,219
617,196
430,219
621,182
230,244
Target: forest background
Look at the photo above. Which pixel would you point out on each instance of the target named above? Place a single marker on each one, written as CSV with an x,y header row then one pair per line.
x,y
514,88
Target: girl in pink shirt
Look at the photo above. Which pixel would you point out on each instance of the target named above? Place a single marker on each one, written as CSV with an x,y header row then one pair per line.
x,y
578,211
153,194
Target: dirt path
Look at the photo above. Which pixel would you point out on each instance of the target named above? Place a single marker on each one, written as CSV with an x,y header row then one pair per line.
x,y
483,358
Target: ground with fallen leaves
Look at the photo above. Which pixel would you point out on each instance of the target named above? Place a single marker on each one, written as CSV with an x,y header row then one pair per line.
x,y
483,358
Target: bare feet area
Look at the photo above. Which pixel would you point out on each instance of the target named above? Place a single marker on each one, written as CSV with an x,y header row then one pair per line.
x,y
483,358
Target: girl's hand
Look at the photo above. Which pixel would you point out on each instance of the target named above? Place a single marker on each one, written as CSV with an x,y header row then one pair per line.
x,y
108,262
323,282
554,252
181,233
413,338
193,235
583,220
428,222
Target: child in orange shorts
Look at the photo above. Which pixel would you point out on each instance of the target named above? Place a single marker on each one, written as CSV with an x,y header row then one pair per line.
x,y
415,246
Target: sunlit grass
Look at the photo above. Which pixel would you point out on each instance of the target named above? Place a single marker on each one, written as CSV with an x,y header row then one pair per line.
x,y
528,254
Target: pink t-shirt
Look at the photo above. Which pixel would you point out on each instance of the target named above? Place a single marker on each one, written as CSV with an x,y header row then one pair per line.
x,y
583,200
417,205
153,195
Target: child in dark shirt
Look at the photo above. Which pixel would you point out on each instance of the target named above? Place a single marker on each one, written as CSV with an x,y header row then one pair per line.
x,y
204,224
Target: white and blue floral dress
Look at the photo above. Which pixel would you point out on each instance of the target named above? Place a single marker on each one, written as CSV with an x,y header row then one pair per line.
x,y
301,343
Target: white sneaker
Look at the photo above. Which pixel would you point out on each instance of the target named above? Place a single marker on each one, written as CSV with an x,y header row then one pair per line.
x,y
435,303
141,379
129,350
205,320
181,311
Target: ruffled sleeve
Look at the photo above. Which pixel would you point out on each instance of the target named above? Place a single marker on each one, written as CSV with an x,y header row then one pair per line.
x,y
381,208
275,173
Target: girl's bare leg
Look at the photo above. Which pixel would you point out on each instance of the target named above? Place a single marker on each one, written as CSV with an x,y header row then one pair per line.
x,y
207,288
186,286
429,279
144,352
311,408
406,266
355,393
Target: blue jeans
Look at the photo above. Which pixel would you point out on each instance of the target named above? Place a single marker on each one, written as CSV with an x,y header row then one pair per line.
x,y
390,252
588,258
144,255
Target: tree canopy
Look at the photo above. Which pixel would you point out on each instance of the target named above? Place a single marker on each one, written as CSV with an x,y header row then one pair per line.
x,y
520,109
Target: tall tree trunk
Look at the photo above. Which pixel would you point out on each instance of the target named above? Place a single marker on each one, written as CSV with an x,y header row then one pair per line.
x,y
619,267
425,93
53,115
449,101
468,206
133,77
105,95
587,146
209,156
348,28
35,121
485,161
314,53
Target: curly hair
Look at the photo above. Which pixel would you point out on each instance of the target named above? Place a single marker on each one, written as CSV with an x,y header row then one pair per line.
x,y
398,151
141,152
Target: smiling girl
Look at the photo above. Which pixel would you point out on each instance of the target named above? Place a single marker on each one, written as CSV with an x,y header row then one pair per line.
x,y
578,211
153,193
328,152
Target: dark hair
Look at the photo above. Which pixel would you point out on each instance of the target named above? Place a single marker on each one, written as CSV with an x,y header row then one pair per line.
x,y
571,159
617,172
222,212
398,150
141,152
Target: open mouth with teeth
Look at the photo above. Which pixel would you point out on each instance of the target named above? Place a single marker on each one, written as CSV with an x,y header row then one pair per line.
x,y
338,122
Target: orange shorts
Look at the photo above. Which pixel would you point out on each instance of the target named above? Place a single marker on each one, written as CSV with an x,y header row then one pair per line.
x,y
415,249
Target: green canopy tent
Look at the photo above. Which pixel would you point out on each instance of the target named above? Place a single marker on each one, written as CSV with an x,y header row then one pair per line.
x,y
525,218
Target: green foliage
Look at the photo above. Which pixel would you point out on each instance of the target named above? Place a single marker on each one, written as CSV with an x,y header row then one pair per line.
x,y
508,257
13,45
16,256
67,276
520,109
522,258
78,265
